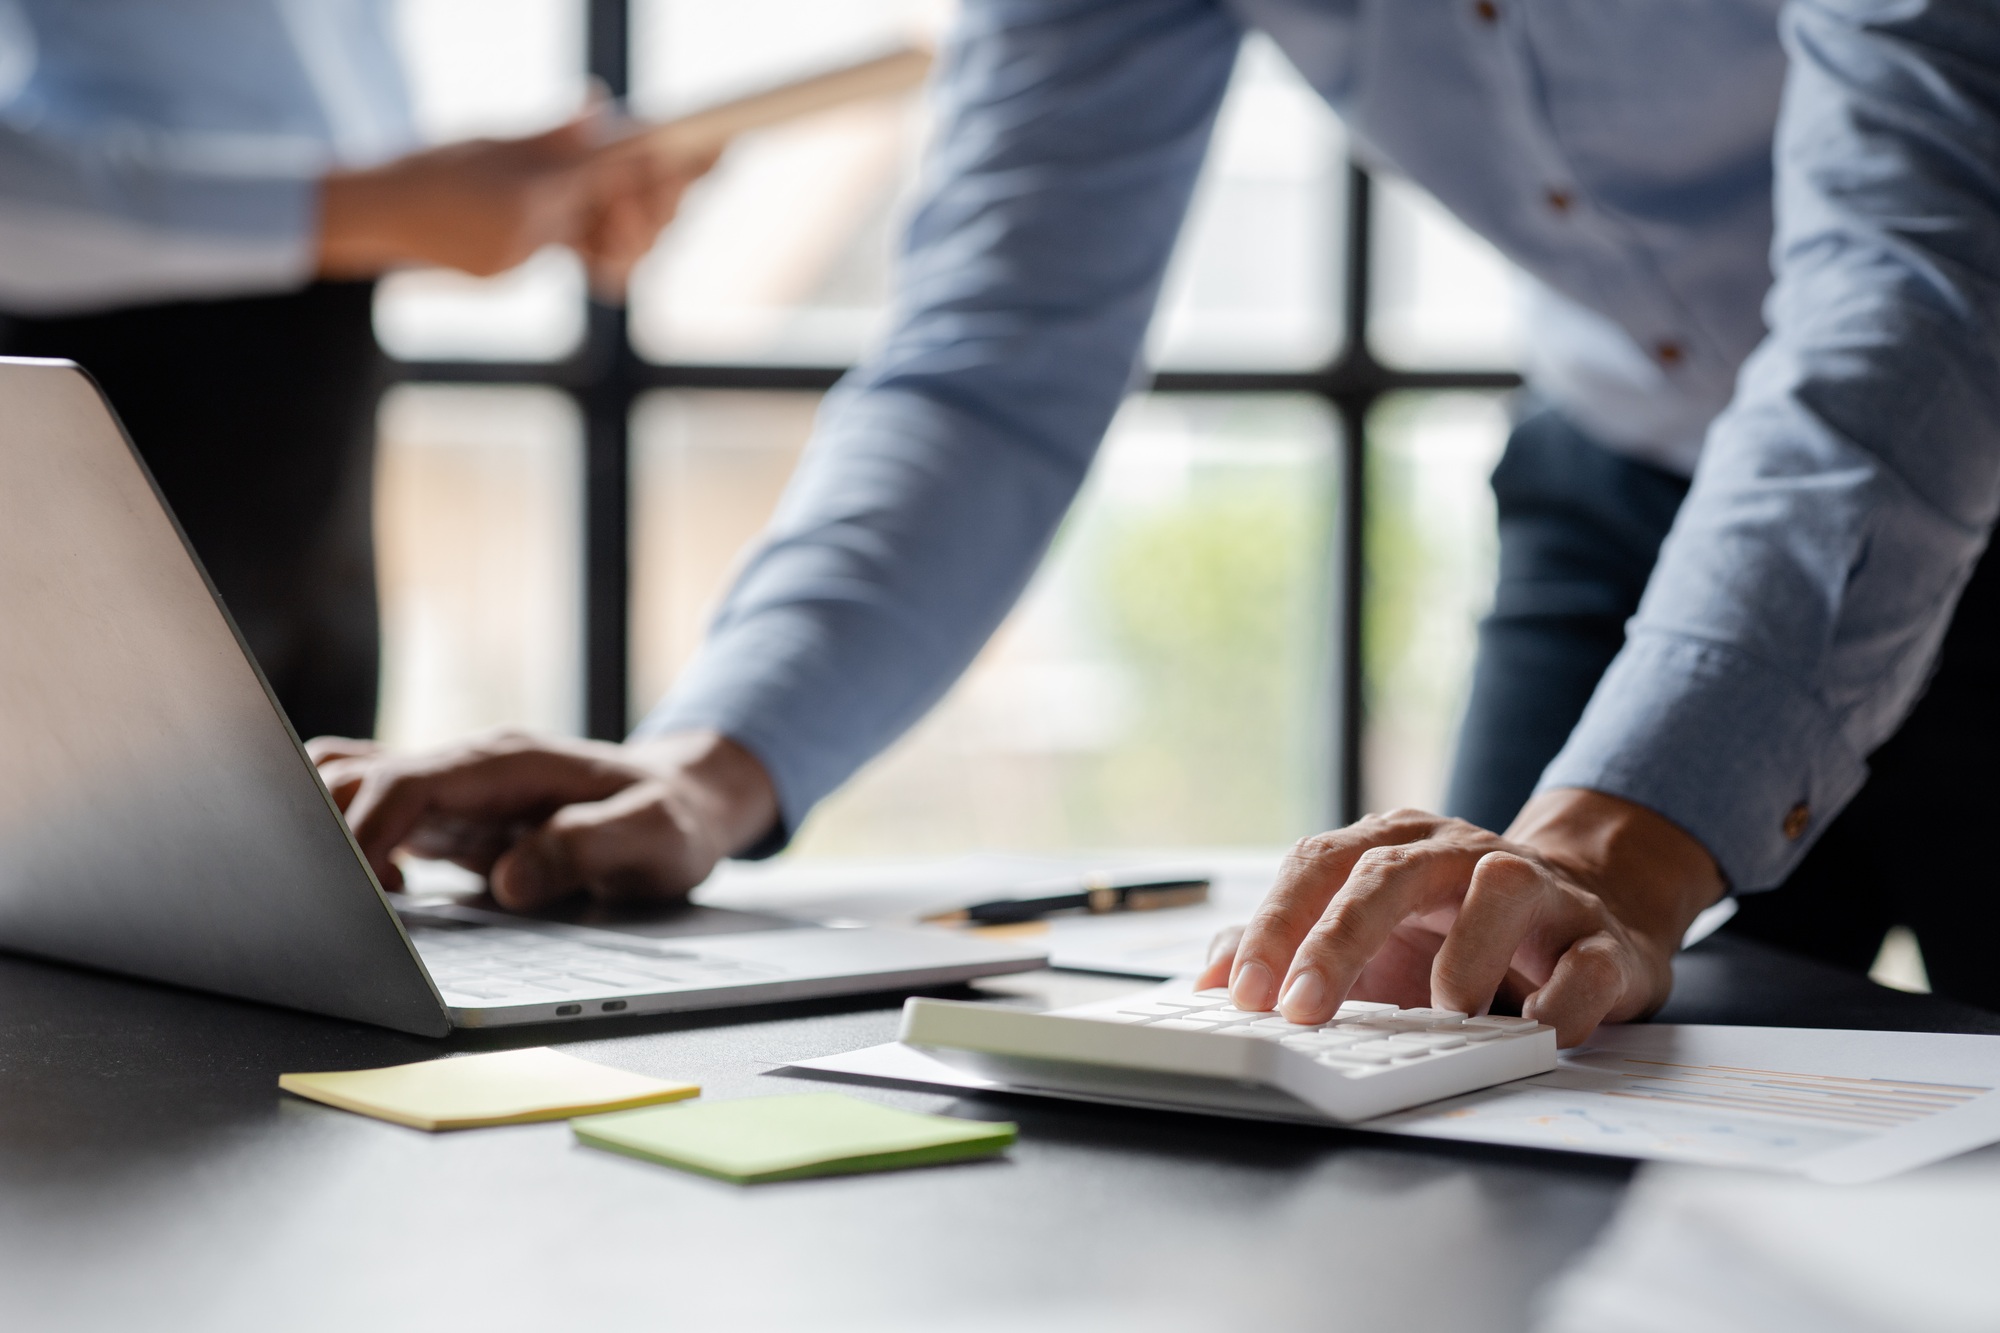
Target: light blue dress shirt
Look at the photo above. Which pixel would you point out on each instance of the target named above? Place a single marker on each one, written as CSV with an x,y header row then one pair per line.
x,y
1622,155
165,149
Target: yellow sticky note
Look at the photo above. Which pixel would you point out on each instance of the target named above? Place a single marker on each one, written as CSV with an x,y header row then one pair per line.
x,y
500,1088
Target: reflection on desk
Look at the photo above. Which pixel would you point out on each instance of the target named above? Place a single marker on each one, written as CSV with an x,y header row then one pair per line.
x,y
1736,1253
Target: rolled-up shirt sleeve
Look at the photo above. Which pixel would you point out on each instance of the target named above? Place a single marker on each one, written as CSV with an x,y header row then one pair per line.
x,y
1844,497
1071,135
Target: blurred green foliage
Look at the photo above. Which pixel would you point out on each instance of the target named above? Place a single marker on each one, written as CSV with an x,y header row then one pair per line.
x,y
1216,606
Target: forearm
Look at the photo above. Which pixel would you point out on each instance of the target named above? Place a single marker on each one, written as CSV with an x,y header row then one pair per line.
x,y
941,468
903,541
1842,501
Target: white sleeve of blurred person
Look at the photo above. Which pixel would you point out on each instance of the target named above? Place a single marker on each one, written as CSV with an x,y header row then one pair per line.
x,y
158,150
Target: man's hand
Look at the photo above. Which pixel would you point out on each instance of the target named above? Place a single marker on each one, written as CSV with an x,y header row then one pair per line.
x,y
484,205
633,196
1576,915
543,818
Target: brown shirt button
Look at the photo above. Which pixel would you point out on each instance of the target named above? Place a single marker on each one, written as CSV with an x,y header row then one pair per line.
x,y
1669,353
1486,11
1560,201
1796,820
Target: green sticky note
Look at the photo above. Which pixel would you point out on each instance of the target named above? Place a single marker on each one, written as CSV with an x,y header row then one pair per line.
x,y
782,1138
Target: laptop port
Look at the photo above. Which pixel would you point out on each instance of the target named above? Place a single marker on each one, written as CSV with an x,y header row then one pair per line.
x,y
565,1010
610,1006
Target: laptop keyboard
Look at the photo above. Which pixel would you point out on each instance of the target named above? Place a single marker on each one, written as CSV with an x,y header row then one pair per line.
x,y
497,965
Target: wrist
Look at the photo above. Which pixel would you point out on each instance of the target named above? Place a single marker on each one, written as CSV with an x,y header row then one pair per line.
x,y
1651,873
723,784
357,235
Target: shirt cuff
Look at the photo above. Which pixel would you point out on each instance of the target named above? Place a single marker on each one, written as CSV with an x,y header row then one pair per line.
x,y
65,262
1734,752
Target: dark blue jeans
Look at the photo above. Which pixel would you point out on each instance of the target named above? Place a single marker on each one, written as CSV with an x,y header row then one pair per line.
x,y
1580,528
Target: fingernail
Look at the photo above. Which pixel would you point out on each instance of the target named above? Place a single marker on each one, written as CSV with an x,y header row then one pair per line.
x,y
1254,987
1304,996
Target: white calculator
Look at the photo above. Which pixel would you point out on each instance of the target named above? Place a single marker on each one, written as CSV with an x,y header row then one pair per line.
x,y
1176,1047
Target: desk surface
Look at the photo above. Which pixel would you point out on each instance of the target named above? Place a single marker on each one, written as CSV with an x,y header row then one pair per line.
x,y
152,1176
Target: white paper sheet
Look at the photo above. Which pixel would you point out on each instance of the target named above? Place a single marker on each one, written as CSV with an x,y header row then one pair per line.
x,y
1833,1106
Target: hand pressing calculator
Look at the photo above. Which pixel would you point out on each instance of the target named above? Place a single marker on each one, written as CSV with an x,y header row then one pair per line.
x,y
1196,1050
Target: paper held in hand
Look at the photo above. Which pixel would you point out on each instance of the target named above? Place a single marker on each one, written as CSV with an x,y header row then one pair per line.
x,y
700,133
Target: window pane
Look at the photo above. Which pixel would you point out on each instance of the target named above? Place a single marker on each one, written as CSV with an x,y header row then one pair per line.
x,y
532,313
477,535
1442,297
782,254
499,67
707,469
1431,554
1256,280
1163,683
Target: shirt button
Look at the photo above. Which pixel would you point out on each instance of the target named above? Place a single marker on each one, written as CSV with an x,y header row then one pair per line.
x,y
1559,201
1796,820
1486,11
1669,353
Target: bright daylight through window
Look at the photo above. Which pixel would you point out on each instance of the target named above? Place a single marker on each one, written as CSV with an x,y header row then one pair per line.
x,y
564,490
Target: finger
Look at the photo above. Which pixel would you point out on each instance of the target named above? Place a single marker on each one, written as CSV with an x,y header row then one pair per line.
x,y
575,138
508,778
321,749
1589,981
1507,896
1221,957
343,778
630,846
1386,886
1311,875
619,239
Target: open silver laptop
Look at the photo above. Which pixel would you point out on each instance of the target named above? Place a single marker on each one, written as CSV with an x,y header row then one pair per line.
x,y
158,817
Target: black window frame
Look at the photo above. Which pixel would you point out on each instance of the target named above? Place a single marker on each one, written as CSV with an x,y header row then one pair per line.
x,y
606,377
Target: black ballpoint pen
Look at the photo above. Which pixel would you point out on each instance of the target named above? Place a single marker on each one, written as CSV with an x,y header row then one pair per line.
x,y
1096,894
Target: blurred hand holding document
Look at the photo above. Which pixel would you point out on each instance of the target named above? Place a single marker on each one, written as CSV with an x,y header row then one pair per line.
x,y
784,1138
474,1091
701,134
1835,1106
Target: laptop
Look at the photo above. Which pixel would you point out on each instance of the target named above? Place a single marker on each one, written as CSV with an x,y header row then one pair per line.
x,y
158,817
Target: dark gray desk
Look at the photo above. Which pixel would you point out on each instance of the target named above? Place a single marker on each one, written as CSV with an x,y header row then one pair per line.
x,y
152,1178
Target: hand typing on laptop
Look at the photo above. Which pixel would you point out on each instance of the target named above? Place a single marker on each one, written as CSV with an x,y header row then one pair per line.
x,y
1575,915
543,818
